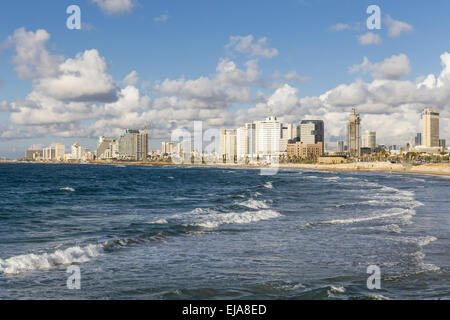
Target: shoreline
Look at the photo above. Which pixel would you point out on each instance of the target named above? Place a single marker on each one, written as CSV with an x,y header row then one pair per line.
x,y
437,169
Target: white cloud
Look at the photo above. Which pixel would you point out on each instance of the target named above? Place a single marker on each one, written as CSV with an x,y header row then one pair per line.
x,y
290,76
396,28
387,104
5,106
84,78
162,18
246,44
394,67
115,6
132,78
369,38
32,59
340,27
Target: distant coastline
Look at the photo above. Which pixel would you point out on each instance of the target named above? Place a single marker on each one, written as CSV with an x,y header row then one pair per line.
x,y
441,169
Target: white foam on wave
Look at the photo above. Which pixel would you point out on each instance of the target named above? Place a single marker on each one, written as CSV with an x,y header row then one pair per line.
x,y
375,296
334,289
332,179
254,204
45,261
406,213
69,189
214,220
160,221
419,241
395,228
268,185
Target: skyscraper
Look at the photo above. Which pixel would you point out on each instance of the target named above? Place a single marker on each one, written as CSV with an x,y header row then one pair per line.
x,y
133,145
245,141
430,132
312,132
369,140
354,134
268,135
228,144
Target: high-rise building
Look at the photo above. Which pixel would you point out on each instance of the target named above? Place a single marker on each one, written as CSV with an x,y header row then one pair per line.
x,y
228,144
167,147
289,133
103,147
369,140
268,135
312,132
430,131
354,134
77,151
49,153
418,139
340,146
60,151
133,145
33,154
442,143
246,141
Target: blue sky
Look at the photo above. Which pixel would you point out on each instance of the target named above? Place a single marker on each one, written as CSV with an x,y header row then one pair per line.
x,y
193,38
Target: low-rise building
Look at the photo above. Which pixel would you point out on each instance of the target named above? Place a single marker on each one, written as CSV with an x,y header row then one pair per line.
x,y
304,150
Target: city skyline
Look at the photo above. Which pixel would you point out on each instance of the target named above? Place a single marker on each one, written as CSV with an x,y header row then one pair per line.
x,y
224,77
259,138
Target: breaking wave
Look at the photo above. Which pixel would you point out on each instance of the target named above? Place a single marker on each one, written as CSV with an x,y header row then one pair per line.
x,y
214,220
46,261
254,204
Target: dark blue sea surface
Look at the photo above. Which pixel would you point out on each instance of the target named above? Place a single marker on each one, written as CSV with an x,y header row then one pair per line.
x,y
143,232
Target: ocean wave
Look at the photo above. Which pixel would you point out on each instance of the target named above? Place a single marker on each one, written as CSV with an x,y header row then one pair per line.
x,y
268,185
419,241
69,189
159,221
214,220
333,179
335,290
45,261
408,213
395,228
254,204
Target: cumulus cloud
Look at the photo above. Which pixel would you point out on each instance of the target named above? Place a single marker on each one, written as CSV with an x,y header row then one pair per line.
x,y
83,78
388,104
132,78
397,28
115,6
248,45
391,68
369,38
32,59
